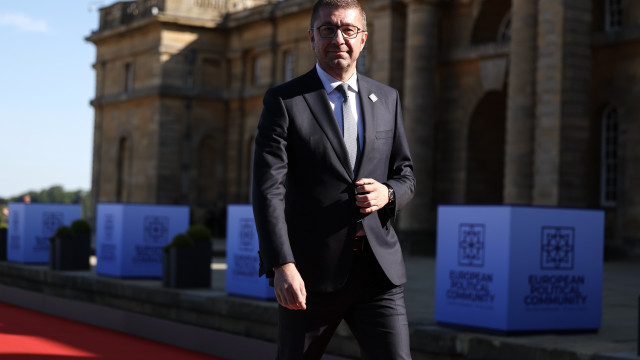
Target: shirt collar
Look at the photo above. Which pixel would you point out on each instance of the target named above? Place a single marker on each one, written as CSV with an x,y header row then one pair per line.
x,y
330,83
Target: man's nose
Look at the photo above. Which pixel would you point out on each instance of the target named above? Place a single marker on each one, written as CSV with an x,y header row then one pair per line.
x,y
338,37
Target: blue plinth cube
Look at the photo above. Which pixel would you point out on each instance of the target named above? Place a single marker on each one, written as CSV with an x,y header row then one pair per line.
x,y
511,269
242,255
130,238
31,226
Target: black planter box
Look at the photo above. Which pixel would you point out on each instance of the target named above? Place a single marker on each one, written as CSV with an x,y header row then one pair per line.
x,y
187,267
70,254
3,245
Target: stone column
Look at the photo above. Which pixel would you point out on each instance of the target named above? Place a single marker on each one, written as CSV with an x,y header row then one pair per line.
x,y
379,42
518,172
562,134
419,100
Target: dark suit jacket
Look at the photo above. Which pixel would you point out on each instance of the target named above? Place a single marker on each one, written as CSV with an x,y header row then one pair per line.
x,y
303,190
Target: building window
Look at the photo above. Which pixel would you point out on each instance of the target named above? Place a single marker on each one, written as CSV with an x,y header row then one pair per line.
x,y
212,74
504,31
613,15
128,77
288,66
256,71
491,22
609,158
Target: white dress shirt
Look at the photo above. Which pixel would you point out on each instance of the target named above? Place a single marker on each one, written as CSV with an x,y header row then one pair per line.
x,y
335,98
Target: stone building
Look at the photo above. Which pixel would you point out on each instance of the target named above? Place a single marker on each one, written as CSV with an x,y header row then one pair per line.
x,y
528,102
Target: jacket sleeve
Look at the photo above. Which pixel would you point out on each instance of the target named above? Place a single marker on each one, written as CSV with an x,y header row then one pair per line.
x,y
400,172
270,167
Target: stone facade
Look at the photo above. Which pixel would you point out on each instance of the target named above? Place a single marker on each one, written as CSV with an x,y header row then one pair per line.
x,y
527,102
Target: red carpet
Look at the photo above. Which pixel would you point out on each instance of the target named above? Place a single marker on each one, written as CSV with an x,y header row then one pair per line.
x,y
29,335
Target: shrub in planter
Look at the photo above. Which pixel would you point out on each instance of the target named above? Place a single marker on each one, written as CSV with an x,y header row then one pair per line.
x,y
183,262
71,247
199,233
3,242
180,241
81,226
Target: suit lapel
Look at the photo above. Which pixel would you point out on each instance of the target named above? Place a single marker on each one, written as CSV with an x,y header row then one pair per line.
x,y
318,103
367,104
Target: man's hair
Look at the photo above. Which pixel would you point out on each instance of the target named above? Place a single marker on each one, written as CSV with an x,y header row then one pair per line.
x,y
338,4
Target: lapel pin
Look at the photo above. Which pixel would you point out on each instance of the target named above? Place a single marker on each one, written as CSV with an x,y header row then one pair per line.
x,y
373,97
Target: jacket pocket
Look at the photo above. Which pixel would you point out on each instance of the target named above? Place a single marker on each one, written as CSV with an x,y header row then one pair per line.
x,y
384,134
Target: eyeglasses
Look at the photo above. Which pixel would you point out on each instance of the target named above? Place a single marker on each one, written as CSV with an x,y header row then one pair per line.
x,y
329,31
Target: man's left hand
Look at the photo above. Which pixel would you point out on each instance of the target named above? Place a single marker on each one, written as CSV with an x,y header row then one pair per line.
x,y
371,195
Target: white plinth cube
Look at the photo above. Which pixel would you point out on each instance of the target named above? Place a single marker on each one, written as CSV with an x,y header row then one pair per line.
x,y
130,238
31,226
242,255
513,269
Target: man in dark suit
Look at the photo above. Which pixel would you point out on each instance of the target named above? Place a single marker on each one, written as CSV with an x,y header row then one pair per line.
x,y
331,169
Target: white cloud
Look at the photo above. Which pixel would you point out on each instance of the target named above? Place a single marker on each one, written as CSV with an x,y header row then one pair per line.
x,y
23,22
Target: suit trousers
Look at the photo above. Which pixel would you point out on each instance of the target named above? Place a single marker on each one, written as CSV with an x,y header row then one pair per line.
x,y
372,306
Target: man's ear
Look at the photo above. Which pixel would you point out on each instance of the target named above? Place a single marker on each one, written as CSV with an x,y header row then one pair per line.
x,y
312,39
364,38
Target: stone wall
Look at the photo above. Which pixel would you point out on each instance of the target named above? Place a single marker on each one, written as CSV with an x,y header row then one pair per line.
x,y
548,68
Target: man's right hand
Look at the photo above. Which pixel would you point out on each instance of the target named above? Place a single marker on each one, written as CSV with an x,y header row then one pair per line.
x,y
289,287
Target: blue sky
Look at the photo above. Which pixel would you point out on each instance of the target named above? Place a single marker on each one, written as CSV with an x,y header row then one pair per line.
x,y
46,84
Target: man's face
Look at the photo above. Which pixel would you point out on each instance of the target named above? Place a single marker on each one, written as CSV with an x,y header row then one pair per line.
x,y
337,56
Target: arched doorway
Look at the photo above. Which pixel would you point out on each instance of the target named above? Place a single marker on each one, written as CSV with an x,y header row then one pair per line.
x,y
485,150
492,23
